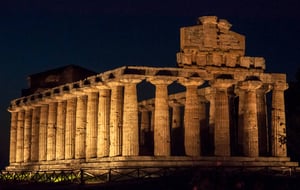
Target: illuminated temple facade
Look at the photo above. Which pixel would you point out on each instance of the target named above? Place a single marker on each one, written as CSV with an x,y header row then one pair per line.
x,y
230,113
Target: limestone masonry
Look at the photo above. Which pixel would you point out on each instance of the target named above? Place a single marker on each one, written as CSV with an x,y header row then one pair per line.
x,y
221,118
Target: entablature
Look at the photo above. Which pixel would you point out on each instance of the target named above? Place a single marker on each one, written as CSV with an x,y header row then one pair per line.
x,y
146,73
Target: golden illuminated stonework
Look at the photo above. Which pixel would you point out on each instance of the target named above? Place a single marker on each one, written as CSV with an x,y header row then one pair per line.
x,y
97,123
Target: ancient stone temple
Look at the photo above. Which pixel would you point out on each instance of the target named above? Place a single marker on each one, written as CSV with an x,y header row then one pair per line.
x,y
230,113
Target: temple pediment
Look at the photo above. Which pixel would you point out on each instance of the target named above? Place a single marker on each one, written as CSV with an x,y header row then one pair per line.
x,y
212,43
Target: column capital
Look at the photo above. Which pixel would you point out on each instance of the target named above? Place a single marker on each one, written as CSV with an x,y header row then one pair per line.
x,y
27,107
14,109
102,87
46,101
160,80
191,81
114,83
77,92
250,85
91,89
222,83
210,93
148,107
175,103
64,96
280,86
143,108
147,104
130,80
265,88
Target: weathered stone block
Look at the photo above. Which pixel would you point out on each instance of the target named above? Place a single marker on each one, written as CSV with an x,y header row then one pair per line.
x,y
246,61
184,59
201,59
259,62
231,60
216,59
210,36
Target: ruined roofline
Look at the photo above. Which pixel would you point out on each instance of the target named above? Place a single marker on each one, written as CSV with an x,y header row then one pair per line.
x,y
59,69
212,43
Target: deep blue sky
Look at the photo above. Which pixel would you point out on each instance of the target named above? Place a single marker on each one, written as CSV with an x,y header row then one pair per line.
x,y
40,35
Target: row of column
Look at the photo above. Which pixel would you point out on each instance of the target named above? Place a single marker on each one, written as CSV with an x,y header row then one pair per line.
x,y
100,122
253,136
83,124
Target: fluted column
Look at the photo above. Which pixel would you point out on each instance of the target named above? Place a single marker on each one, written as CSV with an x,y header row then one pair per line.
x,y
103,122
151,133
70,128
130,143
80,129
210,96
36,113
51,130
152,110
13,136
262,120
176,116
222,128
116,115
91,128
27,134
250,135
177,147
20,136
204,126
43,132
192,117
145,126
278,120
60,129
241,112
162,144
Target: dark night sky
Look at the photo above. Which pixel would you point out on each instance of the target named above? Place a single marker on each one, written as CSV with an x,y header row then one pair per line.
x,y
40,35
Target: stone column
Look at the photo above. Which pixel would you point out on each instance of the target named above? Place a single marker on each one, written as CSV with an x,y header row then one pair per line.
x,y
222,128
162,144
70,128
13,136
151,133
250,135
192,117
27,134
177,147
20,136
152,110
262,120
36,113
43,132
80,129
103,122
241,112
211,97
176,119
204,126
145,125
130,143
51,131
60,129
278,120
91,128
116,115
